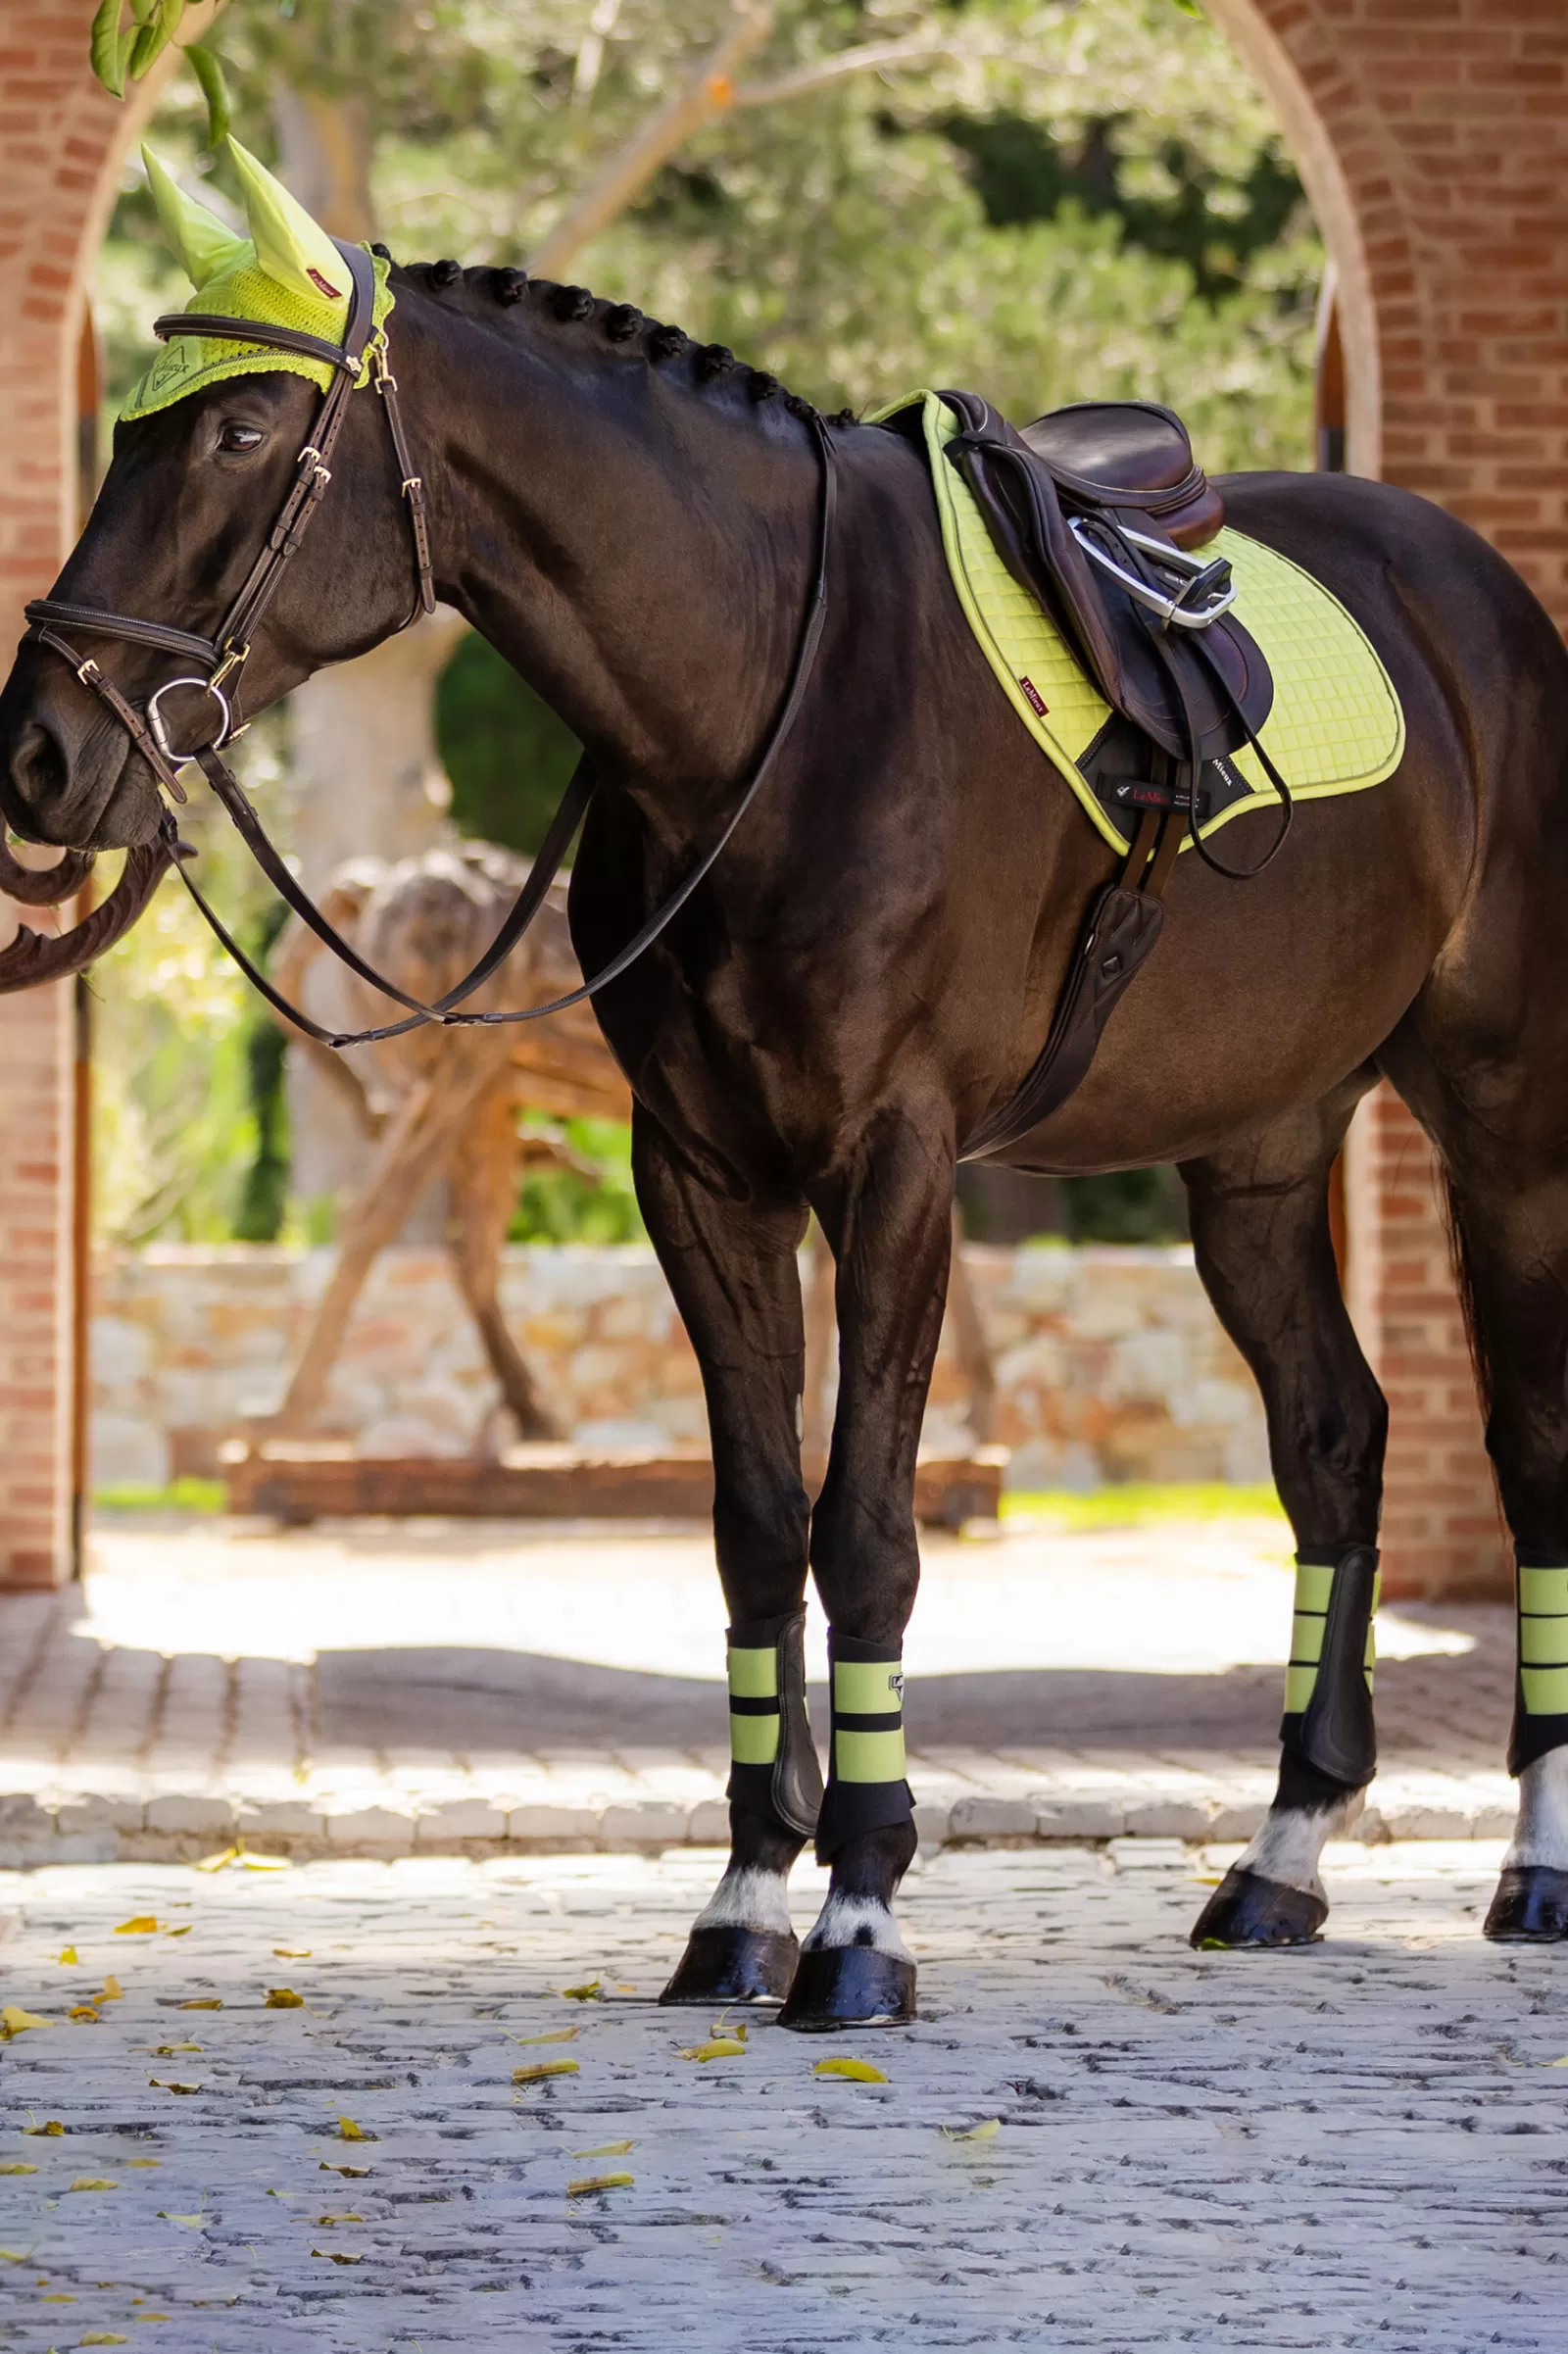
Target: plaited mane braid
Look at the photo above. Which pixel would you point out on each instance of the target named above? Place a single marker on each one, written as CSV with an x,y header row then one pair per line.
x,y
624,323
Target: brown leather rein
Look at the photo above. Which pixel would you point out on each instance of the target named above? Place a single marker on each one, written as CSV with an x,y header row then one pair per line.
x,y
224,655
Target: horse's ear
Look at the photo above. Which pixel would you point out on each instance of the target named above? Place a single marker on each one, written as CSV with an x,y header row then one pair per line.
x,y
202,244
290,246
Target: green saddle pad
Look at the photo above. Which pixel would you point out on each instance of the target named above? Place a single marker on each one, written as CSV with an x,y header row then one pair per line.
x,y
1336,725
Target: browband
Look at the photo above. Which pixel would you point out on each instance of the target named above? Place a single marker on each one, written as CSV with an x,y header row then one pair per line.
x,y
254,330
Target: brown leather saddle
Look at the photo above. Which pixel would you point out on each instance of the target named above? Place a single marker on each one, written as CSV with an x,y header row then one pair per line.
x,y
1096,511
1099,511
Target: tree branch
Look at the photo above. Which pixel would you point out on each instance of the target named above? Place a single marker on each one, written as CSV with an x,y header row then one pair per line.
x,y
916,48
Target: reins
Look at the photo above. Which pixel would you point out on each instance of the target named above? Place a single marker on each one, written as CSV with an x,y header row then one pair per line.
x,y
224,654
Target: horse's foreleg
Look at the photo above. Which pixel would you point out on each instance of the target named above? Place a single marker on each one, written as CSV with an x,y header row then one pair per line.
x,y
888,1220
1260,1230
732,1269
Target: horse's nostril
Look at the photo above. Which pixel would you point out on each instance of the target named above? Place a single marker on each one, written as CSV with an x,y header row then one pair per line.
x,y
37,767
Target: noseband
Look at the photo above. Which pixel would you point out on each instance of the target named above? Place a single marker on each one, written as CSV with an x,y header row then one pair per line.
x,y
221,661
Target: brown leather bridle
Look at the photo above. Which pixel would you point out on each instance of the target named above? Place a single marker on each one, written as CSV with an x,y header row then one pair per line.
x,y
222,658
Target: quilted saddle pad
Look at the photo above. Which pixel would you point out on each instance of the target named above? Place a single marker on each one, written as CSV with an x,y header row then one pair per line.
x,y
1336,725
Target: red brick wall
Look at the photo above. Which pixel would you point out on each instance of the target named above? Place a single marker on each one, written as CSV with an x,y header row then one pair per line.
x,y
60,143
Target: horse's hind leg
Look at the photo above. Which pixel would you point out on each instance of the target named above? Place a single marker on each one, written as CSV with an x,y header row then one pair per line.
x,y
1260,1233
1510,1204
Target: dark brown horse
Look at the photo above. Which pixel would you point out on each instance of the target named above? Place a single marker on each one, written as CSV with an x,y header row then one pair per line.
x,y
872,966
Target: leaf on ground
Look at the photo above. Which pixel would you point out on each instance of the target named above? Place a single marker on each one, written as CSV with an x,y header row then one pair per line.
x,y
283,1998
144,2161
354,2174
557,2034
337,2256
16,2021
1213,1945
155,2317
51,2126
68,1956
606,2149
720,2048
95,2182
103,2337
192,2223
986,2130
84,2010
204,2002
588,2182
265,1863
14,2255
540,2068
167,2083
141,1924
18,2166
166,2051
218,1862
332,2223
860,2071
184,1930
113,1991
348,2130
291,1953
1562,2063
593,1991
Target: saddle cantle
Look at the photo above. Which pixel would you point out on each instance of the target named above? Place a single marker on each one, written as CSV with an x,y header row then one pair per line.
x,y
1095,510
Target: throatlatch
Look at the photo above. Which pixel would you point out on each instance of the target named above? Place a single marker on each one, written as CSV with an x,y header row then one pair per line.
x,y
1541,1687
1327,1686
774,1770
866,1789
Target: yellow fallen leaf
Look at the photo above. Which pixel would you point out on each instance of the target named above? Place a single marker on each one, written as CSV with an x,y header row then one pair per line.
x,y
167,2083
14,2255
17,2021
166,2051
337,2256
68,1956
204,2002
265,1863
95,2182
1562,2063
606,2149
577,2190
192,2223
557,2034
51,2126
353,2174
540,2068
984,2130
348,2130
184,1930
722,2047
113,1991
593,1991
292,1953
283,1998
84,2010
144,2161
59,2298
216,1863
332,2223
16,2166
862,2071
141,1924
153,2317
103,2337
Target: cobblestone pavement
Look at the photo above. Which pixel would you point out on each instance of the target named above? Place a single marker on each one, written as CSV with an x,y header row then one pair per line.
x,y
1355,2147
380,1686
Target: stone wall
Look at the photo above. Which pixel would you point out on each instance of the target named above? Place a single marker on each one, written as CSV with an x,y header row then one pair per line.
x,y
1110,1365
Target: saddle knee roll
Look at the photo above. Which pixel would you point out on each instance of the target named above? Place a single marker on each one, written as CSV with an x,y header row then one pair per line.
x,y
1328,1684
774,1769
1541,1684
866,1789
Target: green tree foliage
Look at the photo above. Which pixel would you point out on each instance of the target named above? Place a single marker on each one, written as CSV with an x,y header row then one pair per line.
x,y
507,754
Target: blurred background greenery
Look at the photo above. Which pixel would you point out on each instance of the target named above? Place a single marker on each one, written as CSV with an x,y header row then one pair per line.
x,y
1045,199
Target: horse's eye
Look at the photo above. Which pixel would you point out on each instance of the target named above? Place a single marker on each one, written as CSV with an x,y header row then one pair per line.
x,y
239,438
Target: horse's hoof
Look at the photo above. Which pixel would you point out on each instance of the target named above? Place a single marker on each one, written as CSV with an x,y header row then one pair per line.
x,y
850,1986
734,1965
1245,1909
1530,1907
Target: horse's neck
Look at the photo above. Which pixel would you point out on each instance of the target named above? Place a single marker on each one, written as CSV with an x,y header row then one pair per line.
x,y
639,550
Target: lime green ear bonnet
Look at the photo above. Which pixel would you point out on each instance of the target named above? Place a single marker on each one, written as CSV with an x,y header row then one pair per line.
x,y
288,272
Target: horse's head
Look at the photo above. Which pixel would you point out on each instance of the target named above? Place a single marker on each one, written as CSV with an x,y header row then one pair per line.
x,y
205,456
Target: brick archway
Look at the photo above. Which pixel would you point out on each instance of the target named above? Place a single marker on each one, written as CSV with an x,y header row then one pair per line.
x,y
1433,139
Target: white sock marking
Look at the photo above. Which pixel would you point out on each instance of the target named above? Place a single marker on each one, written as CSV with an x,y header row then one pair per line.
x,y
1292,1839
843,1919
1540,1829
748,1898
